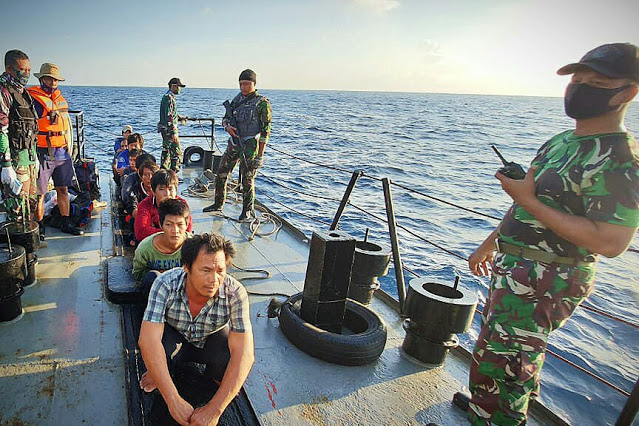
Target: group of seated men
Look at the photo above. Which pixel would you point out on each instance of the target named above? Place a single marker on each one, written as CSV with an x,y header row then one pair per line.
x,y
142,186
195,311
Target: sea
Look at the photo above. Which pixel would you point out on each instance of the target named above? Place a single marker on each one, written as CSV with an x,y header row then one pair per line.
x,y
439,147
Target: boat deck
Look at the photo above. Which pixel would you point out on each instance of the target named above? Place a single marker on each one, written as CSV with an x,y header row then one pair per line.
x,y
63,361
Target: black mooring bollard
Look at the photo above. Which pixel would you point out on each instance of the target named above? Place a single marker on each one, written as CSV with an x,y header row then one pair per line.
x,y
328,276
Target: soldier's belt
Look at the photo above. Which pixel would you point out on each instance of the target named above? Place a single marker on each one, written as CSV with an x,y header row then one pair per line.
x,y
537,255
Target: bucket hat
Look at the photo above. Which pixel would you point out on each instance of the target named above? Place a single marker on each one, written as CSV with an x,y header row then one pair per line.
x,y
49,70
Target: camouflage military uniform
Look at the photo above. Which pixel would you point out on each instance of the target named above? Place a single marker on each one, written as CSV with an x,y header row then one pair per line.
x,y
247,155
168,126
591,176
23,161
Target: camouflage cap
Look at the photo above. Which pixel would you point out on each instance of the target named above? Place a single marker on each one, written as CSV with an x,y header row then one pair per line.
x,y
616,60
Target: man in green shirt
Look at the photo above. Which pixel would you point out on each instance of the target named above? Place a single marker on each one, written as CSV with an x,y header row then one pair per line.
x,y
162,251
579,199
168,127
18,137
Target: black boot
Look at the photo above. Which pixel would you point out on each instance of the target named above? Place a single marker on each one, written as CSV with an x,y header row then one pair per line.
x,y
246,215
215,207
461,400
69,228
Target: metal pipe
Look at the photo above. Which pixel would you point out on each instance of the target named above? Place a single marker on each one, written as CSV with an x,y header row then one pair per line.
x,y
392,230
347,195
629,412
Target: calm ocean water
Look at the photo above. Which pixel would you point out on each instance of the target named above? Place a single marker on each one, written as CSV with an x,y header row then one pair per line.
x,y
437,144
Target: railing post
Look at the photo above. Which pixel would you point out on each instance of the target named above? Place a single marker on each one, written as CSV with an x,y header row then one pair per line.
x,y
629,411
347,195
392,230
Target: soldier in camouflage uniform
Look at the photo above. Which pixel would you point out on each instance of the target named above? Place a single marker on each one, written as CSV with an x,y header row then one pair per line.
x,y
18,135
168,127
252,114
579,199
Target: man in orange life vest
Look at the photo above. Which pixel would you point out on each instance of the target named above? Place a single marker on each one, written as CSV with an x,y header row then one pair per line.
x,y
54,142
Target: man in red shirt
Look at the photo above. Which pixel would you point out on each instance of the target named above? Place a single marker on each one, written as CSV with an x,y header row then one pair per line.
x,y
164,185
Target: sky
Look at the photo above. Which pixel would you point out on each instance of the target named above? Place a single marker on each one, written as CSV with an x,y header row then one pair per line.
x,y
504,47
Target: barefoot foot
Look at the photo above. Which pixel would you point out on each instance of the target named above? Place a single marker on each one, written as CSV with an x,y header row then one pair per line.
x,y
146,383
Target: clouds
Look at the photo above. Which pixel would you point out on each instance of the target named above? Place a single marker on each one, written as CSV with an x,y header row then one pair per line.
x,y
378,6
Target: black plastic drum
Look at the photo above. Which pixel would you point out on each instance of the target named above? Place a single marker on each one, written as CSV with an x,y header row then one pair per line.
x,y
12,269
11,306
27,235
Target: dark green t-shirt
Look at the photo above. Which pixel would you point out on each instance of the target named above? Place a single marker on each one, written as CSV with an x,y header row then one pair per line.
x,y
594,176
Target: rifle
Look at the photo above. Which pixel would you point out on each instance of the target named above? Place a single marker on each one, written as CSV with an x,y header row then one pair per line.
x,y
233,122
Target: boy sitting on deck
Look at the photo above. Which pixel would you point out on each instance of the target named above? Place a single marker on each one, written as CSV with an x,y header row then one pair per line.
x,y
162,251
164,185
198,313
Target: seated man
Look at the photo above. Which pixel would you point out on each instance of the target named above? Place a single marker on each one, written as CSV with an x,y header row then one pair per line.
x,y
132,179
220,336
162,251
164,185
136,194
120,143
121,161
133,155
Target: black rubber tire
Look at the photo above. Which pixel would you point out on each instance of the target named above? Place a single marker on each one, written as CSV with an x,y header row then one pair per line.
x,y
188,153
361,348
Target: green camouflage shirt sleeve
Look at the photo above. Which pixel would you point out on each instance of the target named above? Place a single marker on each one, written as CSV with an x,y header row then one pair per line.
x,y
264,115
589,176
172,116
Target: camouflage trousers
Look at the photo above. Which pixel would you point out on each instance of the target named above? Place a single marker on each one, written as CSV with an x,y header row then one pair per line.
x,y
230,158
526,301
171,157
15,205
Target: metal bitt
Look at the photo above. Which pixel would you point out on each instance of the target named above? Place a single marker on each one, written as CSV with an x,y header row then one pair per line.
x,y
347,195
328,277
392,230
629,412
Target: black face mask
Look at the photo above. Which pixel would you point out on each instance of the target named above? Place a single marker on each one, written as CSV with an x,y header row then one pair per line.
x,y
586,101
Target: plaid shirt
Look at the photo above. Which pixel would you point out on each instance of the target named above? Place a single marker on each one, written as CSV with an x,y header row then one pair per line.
x,y
168,303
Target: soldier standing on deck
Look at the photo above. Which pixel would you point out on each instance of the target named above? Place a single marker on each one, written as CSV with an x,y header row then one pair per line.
x,y
18,134
252,115
168,127
579,199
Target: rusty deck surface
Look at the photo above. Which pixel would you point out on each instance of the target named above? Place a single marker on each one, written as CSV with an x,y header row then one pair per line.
x,y
63,362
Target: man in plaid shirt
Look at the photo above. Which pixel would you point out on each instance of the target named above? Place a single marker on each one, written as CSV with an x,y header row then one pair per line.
x,y
198,313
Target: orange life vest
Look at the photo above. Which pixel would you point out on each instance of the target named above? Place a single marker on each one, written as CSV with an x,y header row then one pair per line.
x,y
54,125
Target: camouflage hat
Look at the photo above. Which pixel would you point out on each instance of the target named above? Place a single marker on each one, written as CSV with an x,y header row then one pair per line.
x,y
616,60
49,70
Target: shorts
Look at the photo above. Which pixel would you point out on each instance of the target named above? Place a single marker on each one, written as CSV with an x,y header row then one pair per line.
x,y
61,171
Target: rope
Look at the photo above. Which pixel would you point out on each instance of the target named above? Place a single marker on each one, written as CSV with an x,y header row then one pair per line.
x,y
296,211
444,201
411,233
607,315
392,183
109,132
311,162
298,191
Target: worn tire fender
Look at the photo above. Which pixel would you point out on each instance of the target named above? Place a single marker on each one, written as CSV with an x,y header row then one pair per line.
x,y
188,153
361,348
